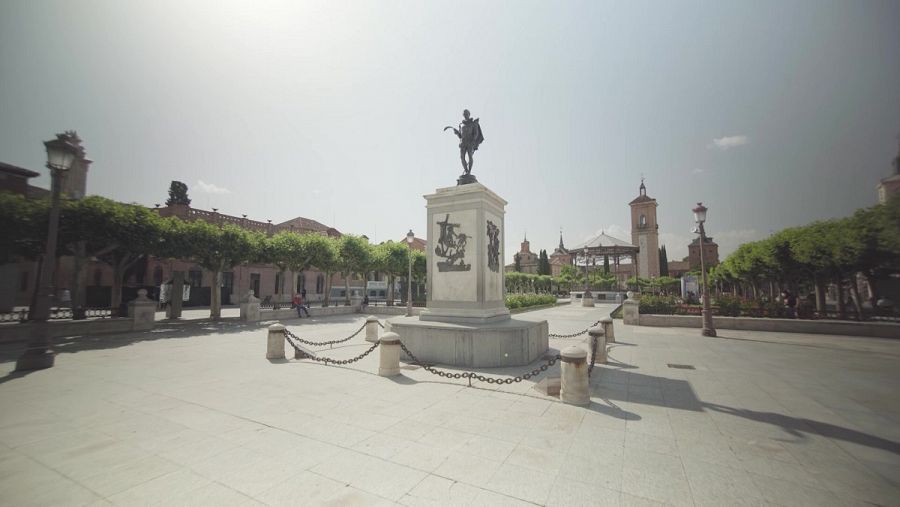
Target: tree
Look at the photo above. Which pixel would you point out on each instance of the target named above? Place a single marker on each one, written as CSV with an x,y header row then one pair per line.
x,y
178,194
354,257
218,249
286,250
518,263
24,223
543,263
663,262
606,263
392,258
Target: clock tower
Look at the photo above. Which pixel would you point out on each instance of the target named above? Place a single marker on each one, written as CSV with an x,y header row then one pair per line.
x,y
645,233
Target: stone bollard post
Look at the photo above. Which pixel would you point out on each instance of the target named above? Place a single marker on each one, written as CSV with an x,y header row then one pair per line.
x,y
587,300
142,310
275,349
630,311
596,333
574,388
608,330
389,359
249,307
372,328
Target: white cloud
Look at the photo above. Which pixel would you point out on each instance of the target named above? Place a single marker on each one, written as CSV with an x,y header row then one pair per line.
x,y
728,142
210,188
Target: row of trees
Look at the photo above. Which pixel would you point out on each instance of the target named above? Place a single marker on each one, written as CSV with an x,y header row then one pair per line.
x,y
123,234
816,255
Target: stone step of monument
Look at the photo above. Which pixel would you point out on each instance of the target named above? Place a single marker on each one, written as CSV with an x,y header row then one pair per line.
x,y
548,386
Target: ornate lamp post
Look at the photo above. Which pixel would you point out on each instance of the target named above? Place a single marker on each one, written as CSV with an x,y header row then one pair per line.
x,y
700,217
38,353
409,241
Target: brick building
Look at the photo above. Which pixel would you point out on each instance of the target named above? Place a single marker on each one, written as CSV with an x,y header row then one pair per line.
x,y
710,253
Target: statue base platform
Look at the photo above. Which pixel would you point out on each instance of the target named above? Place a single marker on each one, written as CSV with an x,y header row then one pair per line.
x,y
465,179
510,342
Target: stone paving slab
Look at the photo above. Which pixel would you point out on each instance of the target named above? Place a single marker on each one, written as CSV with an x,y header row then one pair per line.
x,y
192,413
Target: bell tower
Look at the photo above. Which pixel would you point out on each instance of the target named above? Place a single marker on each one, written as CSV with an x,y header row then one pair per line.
x,y
645,233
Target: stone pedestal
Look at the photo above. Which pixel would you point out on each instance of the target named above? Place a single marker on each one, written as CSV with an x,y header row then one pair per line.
x,y
513,342
587,301
466,322
275,342
249,307
465,281
142,310
630,314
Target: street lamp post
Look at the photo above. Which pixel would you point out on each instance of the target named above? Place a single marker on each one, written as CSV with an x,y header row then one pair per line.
x,y
700,217
38,352
409,241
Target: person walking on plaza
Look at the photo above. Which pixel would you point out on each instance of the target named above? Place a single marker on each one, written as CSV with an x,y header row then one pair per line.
x,y
298,302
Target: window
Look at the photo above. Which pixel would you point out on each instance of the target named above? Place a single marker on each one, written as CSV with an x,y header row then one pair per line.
x,y
195,278
643,221
301,282
320,284
254,283
279,282
157,276
23,281
228,280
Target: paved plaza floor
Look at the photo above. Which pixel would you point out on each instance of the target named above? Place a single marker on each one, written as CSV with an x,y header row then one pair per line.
x,y
193,414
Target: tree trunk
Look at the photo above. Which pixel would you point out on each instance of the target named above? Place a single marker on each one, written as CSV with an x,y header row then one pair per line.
x,y
346,290
118,275
79,287
873,288
327,299
841,309
390,301
215,296
854,294
820,294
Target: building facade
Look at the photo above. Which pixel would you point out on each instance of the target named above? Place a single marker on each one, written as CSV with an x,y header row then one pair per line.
x,y
710,254
645,233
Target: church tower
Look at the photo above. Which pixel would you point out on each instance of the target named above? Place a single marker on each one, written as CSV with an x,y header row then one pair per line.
x,y
645,233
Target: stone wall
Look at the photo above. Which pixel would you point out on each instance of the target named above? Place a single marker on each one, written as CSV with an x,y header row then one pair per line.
x,y
836,327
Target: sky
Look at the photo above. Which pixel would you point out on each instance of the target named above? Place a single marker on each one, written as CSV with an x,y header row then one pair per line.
x,y
772,113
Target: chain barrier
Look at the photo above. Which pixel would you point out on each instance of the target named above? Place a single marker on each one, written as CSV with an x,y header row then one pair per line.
x,y
573,335
380,325
472,375
322,344
327,360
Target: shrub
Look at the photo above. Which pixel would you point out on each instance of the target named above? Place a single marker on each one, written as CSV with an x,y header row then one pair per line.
x,y
660,305
514,301
729,306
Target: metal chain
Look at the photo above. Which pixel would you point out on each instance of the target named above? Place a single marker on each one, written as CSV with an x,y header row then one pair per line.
x,y
328,360
472,375
320,344
380,325
573,335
